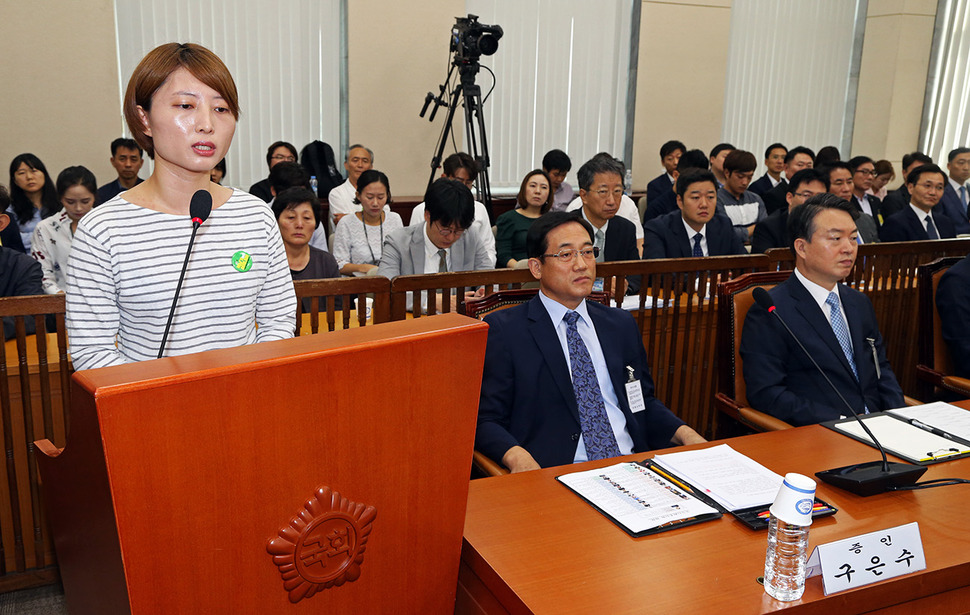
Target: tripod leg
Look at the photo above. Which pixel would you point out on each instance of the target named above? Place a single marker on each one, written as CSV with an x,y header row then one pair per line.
x,y
436,161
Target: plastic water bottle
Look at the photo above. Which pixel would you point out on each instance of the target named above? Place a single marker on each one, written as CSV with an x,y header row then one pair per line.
x,y
628,182
785,560
313,184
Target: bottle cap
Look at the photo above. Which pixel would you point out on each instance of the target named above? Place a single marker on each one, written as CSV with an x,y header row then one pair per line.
x,y
795,499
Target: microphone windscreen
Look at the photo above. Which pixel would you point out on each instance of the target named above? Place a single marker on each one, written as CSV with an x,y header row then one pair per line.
x,y
200,206
762,298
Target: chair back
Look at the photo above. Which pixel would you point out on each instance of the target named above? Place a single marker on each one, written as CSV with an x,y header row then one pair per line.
x,y
348,297
420,290
735,298
499,300
933,351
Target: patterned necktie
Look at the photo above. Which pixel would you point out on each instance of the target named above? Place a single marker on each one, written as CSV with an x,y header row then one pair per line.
x,y
963,198
841,330
442,262
931,228
598,434
698,251
599,240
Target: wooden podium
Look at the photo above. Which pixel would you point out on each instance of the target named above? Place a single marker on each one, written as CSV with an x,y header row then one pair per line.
x,y
321,473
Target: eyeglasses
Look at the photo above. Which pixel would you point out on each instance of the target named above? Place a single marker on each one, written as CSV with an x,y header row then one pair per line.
x,y
281,158
446,231
617,194
807,194
871,172
568,255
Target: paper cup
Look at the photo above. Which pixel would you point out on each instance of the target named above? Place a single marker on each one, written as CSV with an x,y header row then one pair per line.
x,y
795,499
369,307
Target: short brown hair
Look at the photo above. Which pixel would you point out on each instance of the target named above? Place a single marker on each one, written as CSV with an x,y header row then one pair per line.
x,y
520,199
155,68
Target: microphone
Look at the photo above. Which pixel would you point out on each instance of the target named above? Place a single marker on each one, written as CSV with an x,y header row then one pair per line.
x,y
199,209
863,479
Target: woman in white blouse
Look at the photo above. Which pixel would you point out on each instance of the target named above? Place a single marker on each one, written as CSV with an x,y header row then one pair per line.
x,y
51,243
359,239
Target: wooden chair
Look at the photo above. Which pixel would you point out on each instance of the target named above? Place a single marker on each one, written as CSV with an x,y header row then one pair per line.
x,y
408,290
35,374
935,363
320,297
480,308
735,298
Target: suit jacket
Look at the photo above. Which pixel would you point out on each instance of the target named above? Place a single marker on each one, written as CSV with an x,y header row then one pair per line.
x,y
782,381
19,275
621,245
875,204
10,236
954,209
953,304
867,228
761,185
906,226
895,201
659,186
404,253
775,198
772,232
665,204
527,397
261,189
665,237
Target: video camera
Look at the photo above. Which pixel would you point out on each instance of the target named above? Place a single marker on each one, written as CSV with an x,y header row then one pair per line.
x,y
470,40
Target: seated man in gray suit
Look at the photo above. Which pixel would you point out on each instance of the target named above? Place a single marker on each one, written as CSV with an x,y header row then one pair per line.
x,y
441,243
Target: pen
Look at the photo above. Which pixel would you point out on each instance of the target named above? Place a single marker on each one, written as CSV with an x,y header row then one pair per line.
x,y
932,430
672,479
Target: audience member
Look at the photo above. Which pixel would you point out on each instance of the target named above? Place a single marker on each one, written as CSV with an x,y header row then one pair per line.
x,y
840,184
695,230
743,207
278,152
341,198
126,158
718,154
836,325
295,210
627,210
772,232
562,375
218,172
556,164
357,244
128,253
885,173
462,168
10,234
533,200
956,193
318,159
953,305
775,163
51,244
898,200
796,159
863,174
920,221
32,195
827,155
670,153
20,275
693,160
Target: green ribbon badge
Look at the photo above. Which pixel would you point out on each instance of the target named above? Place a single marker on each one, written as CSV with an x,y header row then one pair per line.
x,y
242,261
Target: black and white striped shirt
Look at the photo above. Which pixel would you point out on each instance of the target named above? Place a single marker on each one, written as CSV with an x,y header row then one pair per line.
x,y
124,267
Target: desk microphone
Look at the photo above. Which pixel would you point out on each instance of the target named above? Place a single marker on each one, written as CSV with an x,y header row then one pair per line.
x,y
199,209
863,479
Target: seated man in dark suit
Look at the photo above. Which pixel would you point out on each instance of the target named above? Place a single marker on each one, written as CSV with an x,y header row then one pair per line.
x,y
841,185
836,324
600,189
695,230
922,219
897,200
278,152
863,172
772,232
667,202
775,163
956,193
796,159
953,304
126,158
566,380
19,274
670,153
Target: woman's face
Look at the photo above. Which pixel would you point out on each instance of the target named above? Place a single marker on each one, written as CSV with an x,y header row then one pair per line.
x,y
77,200
29,180
215,175
880,181
297,225
372,198
190,124
537,191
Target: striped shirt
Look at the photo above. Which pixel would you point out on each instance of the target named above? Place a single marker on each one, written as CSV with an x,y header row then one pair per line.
x,y
124,266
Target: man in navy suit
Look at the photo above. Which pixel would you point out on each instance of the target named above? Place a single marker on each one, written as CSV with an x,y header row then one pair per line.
x,y
897,200
696,229
953,304
566,380
956,193
863,171
772,232
796,159
692,160
775,163
836,324
670,153
921,220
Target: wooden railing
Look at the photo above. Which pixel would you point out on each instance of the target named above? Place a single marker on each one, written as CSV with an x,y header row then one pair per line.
x,y
676,310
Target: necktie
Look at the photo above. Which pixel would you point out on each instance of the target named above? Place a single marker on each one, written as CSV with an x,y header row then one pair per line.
x,y
931,228
599,240
963,199
442,262
598,434
698,251
841,330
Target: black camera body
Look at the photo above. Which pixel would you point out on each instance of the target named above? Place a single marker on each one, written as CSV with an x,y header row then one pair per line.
x,y
470,39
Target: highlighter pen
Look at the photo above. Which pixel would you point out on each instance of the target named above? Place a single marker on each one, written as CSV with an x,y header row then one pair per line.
x,y
932,430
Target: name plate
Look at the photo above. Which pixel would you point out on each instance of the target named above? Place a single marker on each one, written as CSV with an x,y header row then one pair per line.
x,y
868,558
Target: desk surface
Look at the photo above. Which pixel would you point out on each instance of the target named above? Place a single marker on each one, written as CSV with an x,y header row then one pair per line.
x,y
534,546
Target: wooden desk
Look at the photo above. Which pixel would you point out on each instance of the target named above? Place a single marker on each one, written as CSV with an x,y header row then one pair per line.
x,y
532,546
